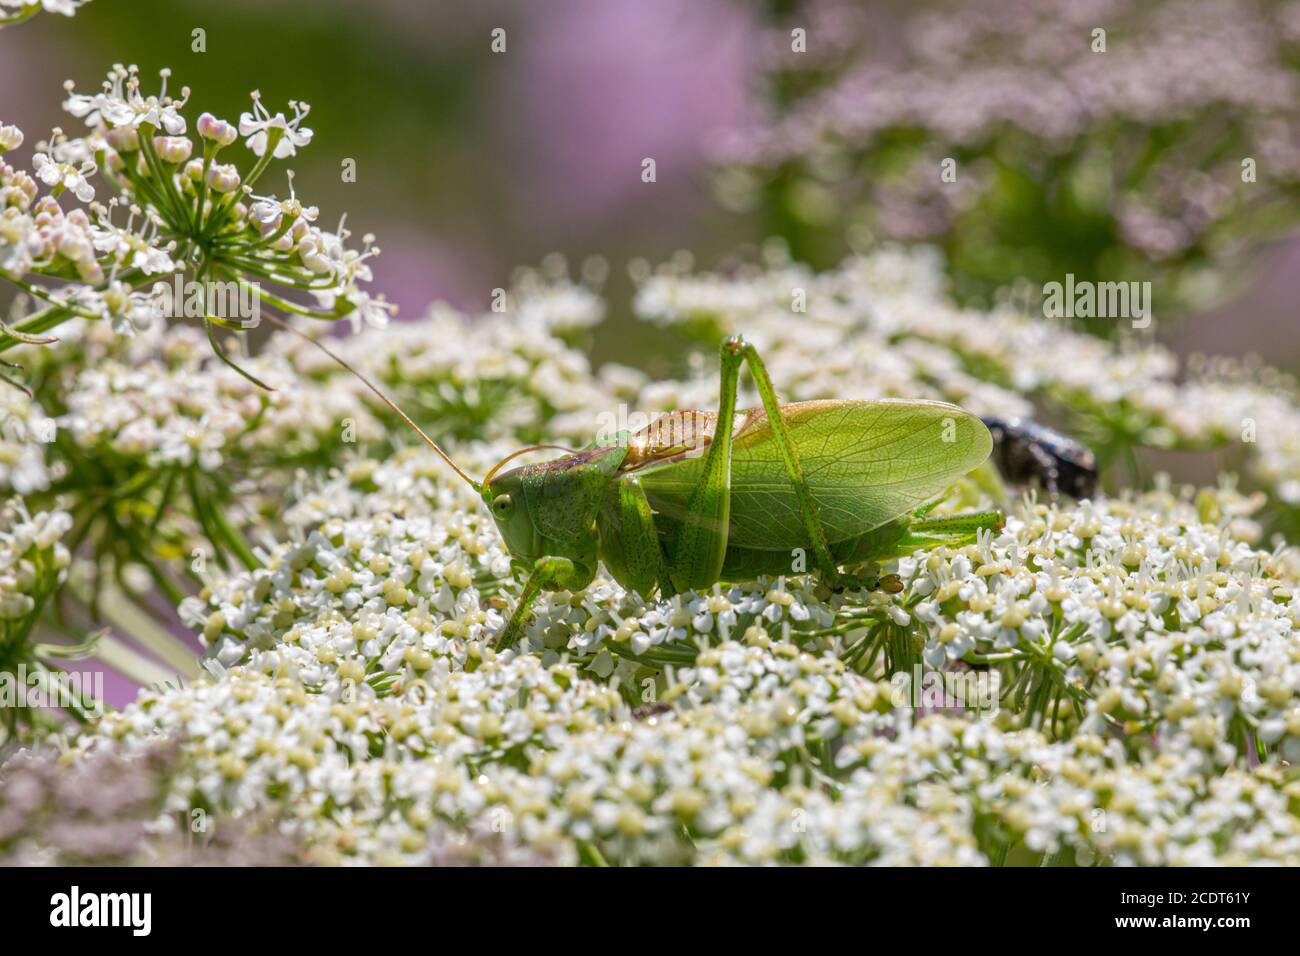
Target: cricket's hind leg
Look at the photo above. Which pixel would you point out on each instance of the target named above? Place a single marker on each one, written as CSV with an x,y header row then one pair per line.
x,y
859,557
826,564
897,539
968,523
698,553
953,531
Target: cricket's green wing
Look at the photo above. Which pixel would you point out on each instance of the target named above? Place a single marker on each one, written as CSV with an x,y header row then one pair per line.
x,y
867,463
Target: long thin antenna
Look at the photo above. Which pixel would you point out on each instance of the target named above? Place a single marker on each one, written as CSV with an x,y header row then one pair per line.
x,y
382,397
523,451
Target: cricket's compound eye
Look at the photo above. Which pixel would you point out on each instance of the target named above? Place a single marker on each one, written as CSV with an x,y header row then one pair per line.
x,y
503,506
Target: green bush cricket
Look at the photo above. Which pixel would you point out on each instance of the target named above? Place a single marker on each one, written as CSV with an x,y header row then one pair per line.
x,y
684,504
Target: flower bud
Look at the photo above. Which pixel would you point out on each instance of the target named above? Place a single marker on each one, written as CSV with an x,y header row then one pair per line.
x,y
11,137
267,215
223,178
173,149
312,256
215,130
124,139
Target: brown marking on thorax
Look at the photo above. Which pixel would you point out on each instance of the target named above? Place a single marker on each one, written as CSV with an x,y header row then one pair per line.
x,y
677,434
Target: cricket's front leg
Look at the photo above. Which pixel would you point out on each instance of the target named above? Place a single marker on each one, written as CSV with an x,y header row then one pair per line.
x,y
629,541
549,574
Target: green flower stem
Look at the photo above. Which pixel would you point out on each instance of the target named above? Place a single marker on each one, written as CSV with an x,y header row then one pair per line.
x,y
164,502
201,194
973,658
654,658
175,202
214,223
273,137
74,707
208,322
235,540
41,322
56,315
68,652
287,306
284,275
132,664
218,528
128,618
590,855
239,243
37,293
143,187
25,13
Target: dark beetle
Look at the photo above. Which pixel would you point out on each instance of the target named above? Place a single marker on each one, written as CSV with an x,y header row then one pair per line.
x,y
1025,450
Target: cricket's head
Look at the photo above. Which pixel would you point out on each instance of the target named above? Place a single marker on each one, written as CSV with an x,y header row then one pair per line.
x,y
530,504
506,497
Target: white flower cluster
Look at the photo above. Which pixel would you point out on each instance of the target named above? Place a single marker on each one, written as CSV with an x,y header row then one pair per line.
x,y
355,686
497,375
179,205
387,544
183,407
38,236
829,334
32,559
966,81
1134,615
25,432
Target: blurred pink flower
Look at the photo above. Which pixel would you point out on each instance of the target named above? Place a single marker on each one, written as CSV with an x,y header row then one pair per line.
x,y
598,87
